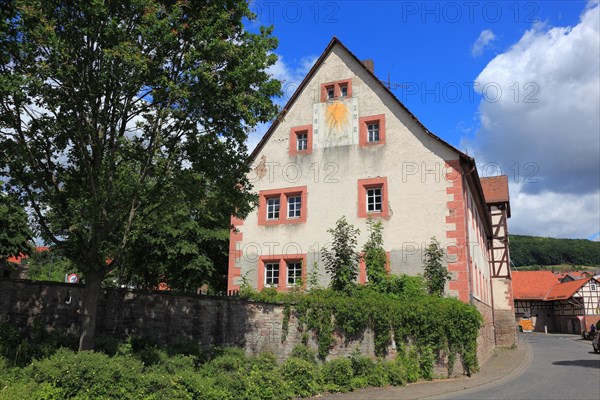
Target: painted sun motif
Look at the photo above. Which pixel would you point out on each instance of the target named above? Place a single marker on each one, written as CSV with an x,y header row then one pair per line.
x,y
337,116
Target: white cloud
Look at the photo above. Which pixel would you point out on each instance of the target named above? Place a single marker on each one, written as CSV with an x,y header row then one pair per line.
x,y
290,77
554,214
543,127
486,37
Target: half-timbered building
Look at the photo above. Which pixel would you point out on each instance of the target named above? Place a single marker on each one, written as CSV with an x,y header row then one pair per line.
x,y
553,306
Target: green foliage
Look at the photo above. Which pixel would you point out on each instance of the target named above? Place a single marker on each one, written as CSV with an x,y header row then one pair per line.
x,y
109,136
215,374
432,324
313,277
409,360
15,233
302,376
436,273
49,266
534,250
20,348
303,352
337,375
341,261
374,254
97,372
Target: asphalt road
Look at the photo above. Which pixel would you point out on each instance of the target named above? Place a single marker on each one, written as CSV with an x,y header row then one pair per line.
x,y
562,368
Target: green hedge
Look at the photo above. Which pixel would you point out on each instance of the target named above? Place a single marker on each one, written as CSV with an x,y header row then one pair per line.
x,y
229,375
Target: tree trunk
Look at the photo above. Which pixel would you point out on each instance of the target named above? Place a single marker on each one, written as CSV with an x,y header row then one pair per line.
x,y
89,311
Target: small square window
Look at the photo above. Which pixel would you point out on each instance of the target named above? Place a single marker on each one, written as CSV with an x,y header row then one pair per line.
x,y
374,200
302,141
273,208
271,274
593,287
373,132
294,206
294,273
343,90
330,93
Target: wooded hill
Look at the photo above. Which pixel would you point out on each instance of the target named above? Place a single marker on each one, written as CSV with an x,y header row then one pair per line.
x,y
535,250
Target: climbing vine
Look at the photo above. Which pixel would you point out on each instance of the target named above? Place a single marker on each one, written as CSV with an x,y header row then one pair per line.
x,y
444,326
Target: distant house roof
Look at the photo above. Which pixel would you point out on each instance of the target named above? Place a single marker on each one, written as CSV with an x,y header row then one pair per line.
x,y
573,275
532,285
565,290
18,259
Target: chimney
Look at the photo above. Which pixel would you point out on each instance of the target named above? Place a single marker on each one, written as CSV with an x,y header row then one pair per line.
x,y
370,65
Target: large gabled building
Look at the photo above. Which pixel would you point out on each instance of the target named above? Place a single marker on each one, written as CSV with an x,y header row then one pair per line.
x,y
344,145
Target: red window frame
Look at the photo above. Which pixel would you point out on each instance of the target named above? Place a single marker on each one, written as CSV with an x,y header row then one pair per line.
x,y
282,259
336,89
293,148
363,137
363,185
283,205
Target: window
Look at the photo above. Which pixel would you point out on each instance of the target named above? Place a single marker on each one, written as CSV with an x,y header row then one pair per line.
x,y
282,206
301,138
294,273
302,141
330,93
273,208
593,287
294,206
280,271
374,200
343,90
272,274
371,130
336,90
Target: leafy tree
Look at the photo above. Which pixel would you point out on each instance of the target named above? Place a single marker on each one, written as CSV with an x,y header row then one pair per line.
x,y
341,261
436,274
112,110
14,232
49,266
374,254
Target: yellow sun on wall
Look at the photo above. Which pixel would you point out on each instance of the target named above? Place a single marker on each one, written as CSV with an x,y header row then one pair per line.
x,y
337,115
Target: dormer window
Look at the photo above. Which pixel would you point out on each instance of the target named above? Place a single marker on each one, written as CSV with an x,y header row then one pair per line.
x,y
336,90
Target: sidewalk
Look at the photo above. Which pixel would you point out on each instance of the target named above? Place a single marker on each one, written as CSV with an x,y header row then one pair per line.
x,y
504,365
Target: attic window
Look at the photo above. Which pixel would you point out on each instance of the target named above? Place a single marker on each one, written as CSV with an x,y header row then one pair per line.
x,y
593,287
343,90
336,90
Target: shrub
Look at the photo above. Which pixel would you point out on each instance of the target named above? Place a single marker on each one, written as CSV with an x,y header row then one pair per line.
x,y
337,375
395,372
361,365
410,363
426,363
302,376
94,374
305,353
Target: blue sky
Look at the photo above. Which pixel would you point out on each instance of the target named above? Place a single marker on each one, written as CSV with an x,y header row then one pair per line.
x,y
441,51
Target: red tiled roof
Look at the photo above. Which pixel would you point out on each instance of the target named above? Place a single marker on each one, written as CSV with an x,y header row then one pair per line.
x,y
532,285
566,289
21,257
495,189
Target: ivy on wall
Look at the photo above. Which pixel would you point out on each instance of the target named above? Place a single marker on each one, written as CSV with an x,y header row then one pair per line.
x,y
426,324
